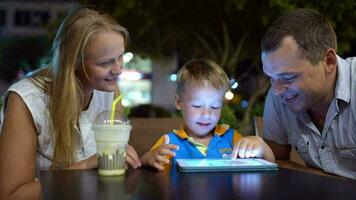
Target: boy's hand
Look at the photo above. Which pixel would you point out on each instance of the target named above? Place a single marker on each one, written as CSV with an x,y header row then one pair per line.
x,y
252,146
158,157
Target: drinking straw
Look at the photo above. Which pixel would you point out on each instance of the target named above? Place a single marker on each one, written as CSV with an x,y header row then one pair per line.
x,y
113,108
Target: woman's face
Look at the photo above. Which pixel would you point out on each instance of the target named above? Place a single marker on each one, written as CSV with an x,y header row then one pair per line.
x,y
103,62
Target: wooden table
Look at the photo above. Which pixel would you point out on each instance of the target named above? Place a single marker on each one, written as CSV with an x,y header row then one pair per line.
x,y
146,183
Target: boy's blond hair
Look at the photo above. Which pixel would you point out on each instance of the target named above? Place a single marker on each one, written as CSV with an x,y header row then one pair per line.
x,y
199,72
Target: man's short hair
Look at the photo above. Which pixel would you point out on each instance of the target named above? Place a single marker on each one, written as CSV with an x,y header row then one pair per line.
x,y
198,73
312,32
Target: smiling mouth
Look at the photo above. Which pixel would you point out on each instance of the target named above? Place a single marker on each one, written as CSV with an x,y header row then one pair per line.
x,y
203,124
289,99
111,79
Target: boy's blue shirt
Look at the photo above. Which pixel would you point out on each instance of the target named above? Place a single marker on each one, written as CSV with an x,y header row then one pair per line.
x,y
221,143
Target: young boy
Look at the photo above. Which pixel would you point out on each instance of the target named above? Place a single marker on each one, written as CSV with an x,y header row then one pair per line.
x,y
201,87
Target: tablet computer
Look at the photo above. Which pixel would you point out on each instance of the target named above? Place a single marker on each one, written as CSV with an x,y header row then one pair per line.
x,y
239,164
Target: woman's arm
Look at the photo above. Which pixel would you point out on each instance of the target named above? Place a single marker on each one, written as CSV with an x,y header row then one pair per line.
x,y
89,163
18,141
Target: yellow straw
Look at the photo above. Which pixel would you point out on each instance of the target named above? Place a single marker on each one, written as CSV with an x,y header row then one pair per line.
x,y
113,108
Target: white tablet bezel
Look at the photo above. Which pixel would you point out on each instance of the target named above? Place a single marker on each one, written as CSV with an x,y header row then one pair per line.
x,y
239,164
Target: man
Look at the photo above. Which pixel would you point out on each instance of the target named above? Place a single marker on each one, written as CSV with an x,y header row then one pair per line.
x,y
311,105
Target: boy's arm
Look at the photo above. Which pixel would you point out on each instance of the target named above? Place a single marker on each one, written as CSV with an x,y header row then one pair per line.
x,y
160,154
148,155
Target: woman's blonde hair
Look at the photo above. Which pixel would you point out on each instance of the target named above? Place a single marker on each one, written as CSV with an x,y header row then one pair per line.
x,y
62,85
198,72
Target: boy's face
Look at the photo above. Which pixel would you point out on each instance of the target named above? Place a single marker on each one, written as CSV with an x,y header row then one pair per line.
x,y
201,109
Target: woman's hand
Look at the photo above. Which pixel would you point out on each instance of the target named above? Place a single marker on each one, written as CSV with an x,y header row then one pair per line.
x,y
92,161
132,157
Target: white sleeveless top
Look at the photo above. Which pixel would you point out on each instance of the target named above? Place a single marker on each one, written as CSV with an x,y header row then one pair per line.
x,y
37,103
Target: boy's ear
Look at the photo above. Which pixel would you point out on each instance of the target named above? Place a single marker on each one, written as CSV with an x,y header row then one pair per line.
x,y
177,102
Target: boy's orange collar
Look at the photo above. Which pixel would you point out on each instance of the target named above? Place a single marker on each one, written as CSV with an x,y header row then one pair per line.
x,y
220,130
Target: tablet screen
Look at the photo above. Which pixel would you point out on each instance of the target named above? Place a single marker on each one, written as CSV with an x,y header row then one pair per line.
x,y
240,164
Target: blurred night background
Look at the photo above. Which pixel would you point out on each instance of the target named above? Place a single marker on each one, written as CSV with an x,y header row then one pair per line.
x,y
164,35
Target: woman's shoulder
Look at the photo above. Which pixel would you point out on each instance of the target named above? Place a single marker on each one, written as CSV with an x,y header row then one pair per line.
x,y
24,87
103,94
102,98
33,97
29,92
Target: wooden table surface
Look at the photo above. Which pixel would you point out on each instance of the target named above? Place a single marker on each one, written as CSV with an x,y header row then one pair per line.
x,y
147,183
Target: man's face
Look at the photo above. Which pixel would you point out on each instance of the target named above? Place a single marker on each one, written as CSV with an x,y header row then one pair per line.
x,y
300,84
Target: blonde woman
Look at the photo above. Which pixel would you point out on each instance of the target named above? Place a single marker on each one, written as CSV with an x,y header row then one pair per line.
x,y
47,117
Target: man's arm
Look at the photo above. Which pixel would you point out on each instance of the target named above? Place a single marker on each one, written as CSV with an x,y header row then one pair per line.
x,y
281,152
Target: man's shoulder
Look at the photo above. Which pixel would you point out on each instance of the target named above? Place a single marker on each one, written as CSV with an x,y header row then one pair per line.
x,y
351,61
351,66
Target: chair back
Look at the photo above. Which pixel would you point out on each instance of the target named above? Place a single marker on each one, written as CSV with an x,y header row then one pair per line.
x,y
146,131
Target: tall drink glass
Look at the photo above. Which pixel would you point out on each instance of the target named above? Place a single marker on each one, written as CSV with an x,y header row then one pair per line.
x,y
112,136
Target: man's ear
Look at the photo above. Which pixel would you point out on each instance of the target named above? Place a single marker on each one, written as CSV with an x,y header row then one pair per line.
x,y
330,60
177,102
